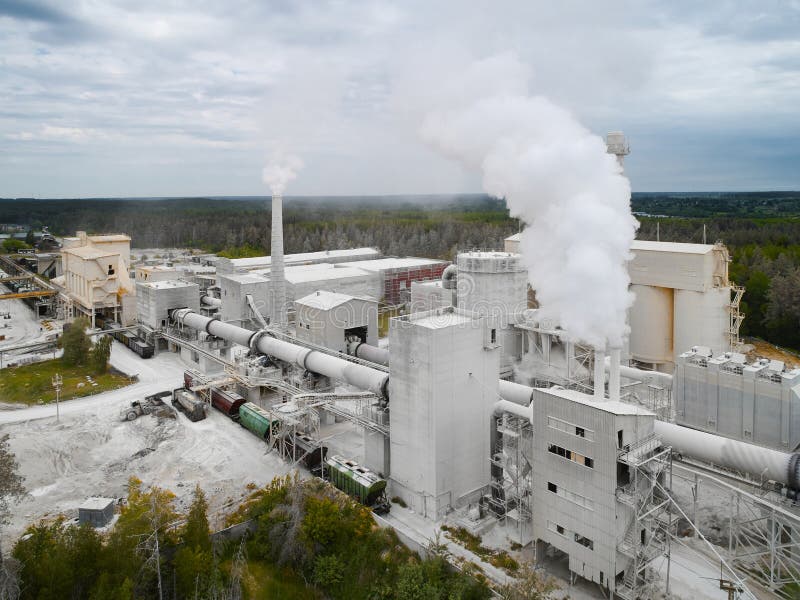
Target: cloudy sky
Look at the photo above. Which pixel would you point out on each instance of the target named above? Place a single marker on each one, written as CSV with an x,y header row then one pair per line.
x,y
165,98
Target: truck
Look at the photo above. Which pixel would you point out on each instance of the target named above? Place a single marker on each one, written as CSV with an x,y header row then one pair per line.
x,y
149,405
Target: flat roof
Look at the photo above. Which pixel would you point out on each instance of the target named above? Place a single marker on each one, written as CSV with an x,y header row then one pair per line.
x,y
304,256
514,238
675,247
382,264
243,277
324,300
304,275
109,237
616,407
90,252
96,503
167,283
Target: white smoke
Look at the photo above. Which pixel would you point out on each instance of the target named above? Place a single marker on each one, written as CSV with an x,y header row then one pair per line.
x,y
555,176
280,170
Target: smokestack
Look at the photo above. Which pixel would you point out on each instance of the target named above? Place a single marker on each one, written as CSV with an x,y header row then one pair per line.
x,y
613,375
600,374
617,144
276,273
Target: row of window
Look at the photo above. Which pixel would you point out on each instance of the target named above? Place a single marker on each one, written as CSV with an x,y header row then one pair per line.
x,y
571,455
570,428
577,538
571,496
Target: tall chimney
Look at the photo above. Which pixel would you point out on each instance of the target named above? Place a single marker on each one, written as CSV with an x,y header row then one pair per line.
x,y
276,273
600,374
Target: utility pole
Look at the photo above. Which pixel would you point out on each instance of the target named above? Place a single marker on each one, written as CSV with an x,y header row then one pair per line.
x,y
57,383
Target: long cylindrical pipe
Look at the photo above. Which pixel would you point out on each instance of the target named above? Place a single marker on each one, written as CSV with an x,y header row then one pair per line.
x,y
613,375
211,301
599,374
783,467
366,352
277,276
360,376
515,392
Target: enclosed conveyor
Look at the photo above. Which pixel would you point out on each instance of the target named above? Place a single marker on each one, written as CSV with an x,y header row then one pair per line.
x,y
359,376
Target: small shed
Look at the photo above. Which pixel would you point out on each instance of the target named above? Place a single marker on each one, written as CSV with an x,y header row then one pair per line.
x,y
97,512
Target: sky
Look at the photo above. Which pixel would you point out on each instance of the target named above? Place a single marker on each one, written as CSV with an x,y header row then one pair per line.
x,y
185,98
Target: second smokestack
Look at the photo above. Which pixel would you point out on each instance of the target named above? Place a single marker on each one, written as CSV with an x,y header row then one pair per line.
x,y
277,275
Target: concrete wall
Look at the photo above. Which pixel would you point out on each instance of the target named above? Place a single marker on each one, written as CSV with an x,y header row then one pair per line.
x,y
155,299
443,386
325,323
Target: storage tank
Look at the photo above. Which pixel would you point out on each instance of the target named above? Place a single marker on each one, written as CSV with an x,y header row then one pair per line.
x,y
702,319
651,319
495,285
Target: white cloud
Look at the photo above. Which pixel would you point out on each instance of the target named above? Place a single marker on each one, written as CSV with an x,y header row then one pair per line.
x,y
343,84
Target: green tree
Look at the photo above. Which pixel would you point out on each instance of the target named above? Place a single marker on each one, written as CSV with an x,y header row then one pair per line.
x,y
194,561
196,533
99,354
12,245
29,238
12,489
529,585
76,343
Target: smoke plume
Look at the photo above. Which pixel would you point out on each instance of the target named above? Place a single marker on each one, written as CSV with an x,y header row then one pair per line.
x,y
280,170
556,177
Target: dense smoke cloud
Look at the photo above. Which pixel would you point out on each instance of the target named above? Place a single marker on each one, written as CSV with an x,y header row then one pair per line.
x,y
556,177
280,170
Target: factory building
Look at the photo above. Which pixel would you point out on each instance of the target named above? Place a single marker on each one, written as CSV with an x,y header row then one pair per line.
x,y
244,299
584,494
343,279
395,275
683,298
243,265
96,276
444,368
155,300
495,285
145,273
757,403
333,320
430,295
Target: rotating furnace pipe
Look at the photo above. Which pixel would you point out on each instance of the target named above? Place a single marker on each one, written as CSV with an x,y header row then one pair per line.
x,y
783,467
211,301
359,376
372,354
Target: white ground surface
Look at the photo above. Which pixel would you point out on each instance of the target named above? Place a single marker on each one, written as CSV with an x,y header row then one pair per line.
x,y
90,452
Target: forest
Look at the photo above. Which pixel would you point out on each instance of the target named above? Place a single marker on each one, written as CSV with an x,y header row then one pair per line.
x,y
761,229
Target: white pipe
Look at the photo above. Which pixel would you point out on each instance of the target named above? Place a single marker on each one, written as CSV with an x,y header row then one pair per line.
x,y
599,374
211,301
648,377
756,460
613,376
370,353
525,412
515,392
360,376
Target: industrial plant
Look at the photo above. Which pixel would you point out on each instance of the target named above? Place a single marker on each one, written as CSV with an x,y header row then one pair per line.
x,y
442,392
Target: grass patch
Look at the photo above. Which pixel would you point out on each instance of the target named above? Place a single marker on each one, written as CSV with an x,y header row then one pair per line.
x,y
30,384
497,558
264,581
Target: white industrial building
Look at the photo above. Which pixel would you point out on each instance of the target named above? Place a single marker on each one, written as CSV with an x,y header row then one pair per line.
x,y
155,273
444,370
155,300
96,276
430,295
333,320
244,299
243,265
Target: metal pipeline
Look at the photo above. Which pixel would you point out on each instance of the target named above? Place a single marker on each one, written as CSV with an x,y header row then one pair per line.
x,y
210,301
372,354
359,376
783,467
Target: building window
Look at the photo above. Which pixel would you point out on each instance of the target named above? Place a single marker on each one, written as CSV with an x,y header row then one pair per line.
x,y
579,431
552,487
494,336
584,541
559,529
571,496
570,455
570,428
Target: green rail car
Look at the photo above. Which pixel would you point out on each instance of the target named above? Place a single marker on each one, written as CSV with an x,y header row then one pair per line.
x,y
357,482
254,418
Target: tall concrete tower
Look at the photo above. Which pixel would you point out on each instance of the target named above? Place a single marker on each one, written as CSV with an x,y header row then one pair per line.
x,y
277,276
617,144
